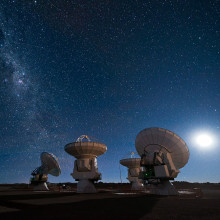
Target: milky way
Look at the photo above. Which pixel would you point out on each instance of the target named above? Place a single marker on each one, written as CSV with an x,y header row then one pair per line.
x,y
107,69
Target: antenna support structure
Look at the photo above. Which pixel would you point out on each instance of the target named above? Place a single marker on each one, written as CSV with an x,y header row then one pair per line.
x,y
134,168
85,169
49,165
162,153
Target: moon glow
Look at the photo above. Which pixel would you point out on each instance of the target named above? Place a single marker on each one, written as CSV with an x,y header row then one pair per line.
x,y
204,140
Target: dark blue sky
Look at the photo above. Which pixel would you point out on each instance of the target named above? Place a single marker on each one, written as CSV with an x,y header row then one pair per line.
x,y
107,69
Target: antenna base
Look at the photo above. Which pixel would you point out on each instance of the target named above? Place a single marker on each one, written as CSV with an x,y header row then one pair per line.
x,y
85,186
165,188
41,187
137,185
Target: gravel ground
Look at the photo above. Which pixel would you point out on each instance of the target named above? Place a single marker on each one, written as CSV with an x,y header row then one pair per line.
x,y
109,203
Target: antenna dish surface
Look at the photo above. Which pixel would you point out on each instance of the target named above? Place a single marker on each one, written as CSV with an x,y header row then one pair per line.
x,y
50,164
131,162
86,149
162,140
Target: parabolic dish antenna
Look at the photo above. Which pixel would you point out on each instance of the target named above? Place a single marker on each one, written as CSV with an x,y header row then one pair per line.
x,y
85,167
49,165
131,162
134,168
85,149
162,140
162,153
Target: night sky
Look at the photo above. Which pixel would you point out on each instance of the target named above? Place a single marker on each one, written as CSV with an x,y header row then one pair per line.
x,y
108,69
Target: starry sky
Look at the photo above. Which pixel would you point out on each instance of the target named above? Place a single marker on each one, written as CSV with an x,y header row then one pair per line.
x,y
108,69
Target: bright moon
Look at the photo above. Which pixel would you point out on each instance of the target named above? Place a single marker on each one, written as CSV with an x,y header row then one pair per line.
x,y
204,140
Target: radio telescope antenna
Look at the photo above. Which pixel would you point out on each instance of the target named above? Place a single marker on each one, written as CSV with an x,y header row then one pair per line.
x,y
134,168
85,167
162,153
49,165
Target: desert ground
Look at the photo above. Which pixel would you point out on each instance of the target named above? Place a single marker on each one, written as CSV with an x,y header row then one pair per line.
x,y
112,201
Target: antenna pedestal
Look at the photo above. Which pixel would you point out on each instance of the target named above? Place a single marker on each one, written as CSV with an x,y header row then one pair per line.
x,y
164,188
41,187
85,167
133,165
39,182
49,165
86,172
137,184
133,177
85,186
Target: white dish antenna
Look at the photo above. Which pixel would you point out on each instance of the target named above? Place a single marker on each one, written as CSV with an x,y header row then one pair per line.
x,y
85,167
85,149
134,168
163,140
162,153
49,165
131,162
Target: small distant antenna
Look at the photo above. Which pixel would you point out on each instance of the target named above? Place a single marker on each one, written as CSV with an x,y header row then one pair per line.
x,y
134,168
